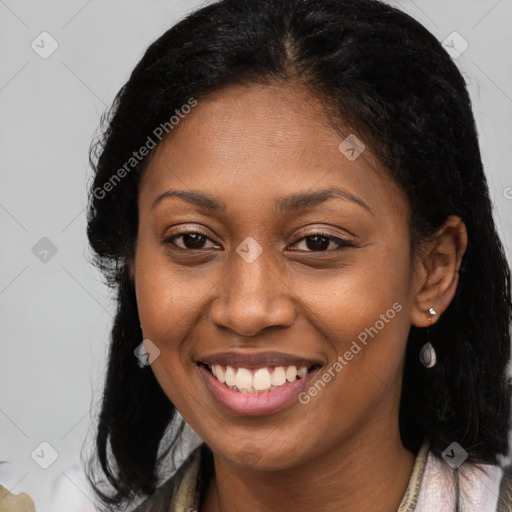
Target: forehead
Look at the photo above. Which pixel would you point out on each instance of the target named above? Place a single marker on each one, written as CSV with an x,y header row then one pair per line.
x,y
263,141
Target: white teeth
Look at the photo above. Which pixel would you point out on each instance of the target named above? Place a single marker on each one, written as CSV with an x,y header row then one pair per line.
x,y
261,379
257,381
230,376
278,376
219,373
291,373
243,378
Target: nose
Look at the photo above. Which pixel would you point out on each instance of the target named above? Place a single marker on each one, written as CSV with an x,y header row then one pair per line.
x,y
253,297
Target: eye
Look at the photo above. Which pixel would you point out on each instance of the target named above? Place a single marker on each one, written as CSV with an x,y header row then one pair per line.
x,y
314,242
189,240
322,242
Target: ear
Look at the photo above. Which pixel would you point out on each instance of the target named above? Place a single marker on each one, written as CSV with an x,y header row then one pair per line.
x,y
437,271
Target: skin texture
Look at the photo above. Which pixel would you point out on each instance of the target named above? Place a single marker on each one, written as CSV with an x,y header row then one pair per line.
x,y
249,146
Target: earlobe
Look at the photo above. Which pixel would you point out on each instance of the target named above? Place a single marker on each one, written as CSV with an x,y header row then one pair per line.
x,y
437,276
424,317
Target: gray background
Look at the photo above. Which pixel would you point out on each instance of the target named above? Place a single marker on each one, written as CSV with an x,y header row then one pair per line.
x,y
56,314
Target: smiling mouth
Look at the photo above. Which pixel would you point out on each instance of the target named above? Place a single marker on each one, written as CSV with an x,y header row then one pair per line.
x,y
257,380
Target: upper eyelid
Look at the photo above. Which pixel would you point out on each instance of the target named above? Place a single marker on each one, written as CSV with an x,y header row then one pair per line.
x,y
167,238
302,236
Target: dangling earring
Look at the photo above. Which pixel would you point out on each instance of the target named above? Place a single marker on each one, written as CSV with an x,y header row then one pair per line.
x,y
427,353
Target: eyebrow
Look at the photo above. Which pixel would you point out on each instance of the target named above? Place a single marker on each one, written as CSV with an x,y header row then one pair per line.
x,y
193,197
288,204
303,201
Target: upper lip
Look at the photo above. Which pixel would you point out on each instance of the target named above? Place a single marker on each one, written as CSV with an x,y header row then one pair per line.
x,y
257,359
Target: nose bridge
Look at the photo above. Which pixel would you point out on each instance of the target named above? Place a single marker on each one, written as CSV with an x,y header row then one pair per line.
x,y
251,295
253,270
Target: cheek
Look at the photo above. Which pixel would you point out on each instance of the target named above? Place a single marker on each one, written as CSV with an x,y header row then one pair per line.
x,y
164,303
363,312
168,297
346,302
170,305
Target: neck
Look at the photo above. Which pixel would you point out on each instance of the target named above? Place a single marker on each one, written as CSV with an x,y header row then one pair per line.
x,y
358,475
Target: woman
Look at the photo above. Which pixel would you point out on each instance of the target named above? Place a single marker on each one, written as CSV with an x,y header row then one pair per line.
x,y
289,199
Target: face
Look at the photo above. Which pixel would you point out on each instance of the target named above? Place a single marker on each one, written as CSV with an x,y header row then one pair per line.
x,y
270,257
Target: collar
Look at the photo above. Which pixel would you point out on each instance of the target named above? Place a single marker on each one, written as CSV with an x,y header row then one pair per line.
x,y
433,485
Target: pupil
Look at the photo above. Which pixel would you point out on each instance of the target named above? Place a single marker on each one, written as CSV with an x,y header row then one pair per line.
x,y
193,241
318,243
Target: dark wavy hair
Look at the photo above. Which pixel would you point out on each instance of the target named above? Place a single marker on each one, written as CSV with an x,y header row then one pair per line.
x,y
384,76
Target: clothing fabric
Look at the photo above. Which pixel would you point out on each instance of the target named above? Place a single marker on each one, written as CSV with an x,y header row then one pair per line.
x,y
10,502
433,486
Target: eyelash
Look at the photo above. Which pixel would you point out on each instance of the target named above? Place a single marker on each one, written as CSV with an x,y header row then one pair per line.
x,y
342,243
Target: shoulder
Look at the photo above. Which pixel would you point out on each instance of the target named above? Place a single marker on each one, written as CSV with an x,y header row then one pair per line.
x,y
181,491
505,495
472,487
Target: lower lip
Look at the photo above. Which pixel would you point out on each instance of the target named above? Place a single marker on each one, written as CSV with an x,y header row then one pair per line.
x,y
255,404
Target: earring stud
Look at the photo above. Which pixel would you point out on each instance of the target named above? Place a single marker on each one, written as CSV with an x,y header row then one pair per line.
x,y
428,355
